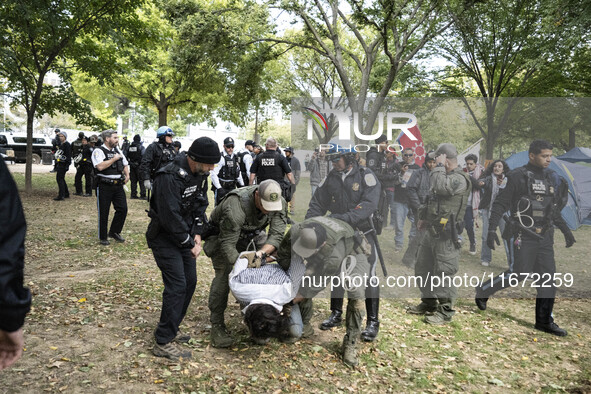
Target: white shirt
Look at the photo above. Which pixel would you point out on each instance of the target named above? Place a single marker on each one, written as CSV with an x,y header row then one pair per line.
x,y
98,156
215,180
277,292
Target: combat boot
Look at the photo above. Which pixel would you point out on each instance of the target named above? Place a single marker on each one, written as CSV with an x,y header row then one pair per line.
x,y
308,331
421,309
220,337
350,351
371,331
334,320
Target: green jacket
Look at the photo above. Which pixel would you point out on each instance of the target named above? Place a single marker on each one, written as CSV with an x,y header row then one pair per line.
x,y
327,261
236,215
449,195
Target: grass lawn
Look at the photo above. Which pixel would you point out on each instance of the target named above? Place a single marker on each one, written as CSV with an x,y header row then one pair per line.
x,y
95,308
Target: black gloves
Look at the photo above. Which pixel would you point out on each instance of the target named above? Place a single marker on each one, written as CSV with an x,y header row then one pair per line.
x,y
491,238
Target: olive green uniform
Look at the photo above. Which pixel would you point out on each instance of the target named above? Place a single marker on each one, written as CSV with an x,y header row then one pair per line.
x,y
239,222
437,253
328,261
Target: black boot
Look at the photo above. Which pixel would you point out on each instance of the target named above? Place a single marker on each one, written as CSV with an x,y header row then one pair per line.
x,y
372,306
334,320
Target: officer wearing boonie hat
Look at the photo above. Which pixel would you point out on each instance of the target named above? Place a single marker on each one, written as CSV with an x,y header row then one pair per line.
x,y
328,246
241,218
178,218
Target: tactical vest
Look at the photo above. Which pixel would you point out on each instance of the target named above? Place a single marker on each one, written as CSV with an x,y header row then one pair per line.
x,y
166,154
114,169
442,207
228,172
134,154
86,154
269,167
242,165
194,192
76,147
376,161
536,209
335,230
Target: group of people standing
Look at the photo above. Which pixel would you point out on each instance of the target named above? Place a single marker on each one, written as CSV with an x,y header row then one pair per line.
x,y
247,230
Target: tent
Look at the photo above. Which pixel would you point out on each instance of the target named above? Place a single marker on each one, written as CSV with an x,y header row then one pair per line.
x,y
577,154
578,208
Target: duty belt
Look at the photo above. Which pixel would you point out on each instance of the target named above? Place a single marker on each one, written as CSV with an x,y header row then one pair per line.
x,y
228,184
110,181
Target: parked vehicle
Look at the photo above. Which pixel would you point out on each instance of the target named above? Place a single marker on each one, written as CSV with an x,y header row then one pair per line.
x,y
18,143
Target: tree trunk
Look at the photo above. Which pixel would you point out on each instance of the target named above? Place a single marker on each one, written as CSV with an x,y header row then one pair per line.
x,y
257,137
571,138
29,151
162,110
124,125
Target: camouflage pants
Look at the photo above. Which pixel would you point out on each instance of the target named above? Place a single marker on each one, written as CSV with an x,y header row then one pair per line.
x,y
437,258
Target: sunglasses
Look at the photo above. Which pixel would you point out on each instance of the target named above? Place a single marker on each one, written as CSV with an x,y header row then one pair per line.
x,y
230,146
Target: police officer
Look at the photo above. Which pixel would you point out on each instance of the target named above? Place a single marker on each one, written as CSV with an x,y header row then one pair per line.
x,y
112,172
85,166
375,157
226,175
158,154
174,235
351,194
329,248
439,250
418,189
245,158
125,146
296,170
241,218
76,158
134,157
535,195
15,300
273,165
63,159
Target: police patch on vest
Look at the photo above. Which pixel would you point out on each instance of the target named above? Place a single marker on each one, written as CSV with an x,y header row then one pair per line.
x,y
370,180
538,187
268,162
190,190
355,187
274,196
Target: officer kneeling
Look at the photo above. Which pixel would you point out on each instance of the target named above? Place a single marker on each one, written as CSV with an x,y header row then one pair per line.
x,y
331,249
177,210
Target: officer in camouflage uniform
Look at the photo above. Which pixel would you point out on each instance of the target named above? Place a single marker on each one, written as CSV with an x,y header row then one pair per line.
x,y
329,247
439,250
241,218
351,193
